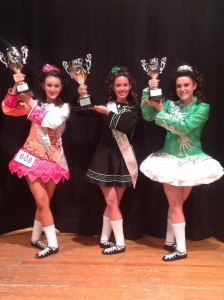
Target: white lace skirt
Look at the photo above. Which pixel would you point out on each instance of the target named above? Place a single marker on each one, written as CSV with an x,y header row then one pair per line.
x,y
189,171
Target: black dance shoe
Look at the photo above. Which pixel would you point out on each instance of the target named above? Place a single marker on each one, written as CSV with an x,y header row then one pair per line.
x,y
38,244
46,252
106,244
170,248
174,256
113,250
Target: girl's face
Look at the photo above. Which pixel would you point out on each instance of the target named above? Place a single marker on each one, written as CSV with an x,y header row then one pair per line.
x,y
185,88
121,88
52,87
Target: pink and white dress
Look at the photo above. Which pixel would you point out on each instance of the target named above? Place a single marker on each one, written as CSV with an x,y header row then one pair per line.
x,y
42,155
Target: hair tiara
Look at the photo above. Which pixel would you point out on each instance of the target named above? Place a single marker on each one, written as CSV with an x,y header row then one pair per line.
x,y
46,68
184,68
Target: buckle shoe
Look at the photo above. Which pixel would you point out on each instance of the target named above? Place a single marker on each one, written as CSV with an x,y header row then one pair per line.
x,y
113,250
174,256
47,251
38,244
170,248
106,244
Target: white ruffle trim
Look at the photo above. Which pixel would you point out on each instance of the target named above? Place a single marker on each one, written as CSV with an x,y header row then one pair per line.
x,y
189,171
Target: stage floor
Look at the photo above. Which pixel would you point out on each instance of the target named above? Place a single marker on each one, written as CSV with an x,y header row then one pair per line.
x,y
80,271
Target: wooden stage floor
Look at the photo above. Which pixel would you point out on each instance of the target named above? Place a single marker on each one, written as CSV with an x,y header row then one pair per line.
x,y
80,271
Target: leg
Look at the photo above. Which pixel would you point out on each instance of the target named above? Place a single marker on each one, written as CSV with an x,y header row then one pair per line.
x,y
170,244
186,190
106,233
38,227
176,197
39,189
40,192
36,235
170,239
113,196
112,208
106,230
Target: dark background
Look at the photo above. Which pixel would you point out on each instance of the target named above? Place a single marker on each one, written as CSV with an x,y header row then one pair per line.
x,y
114,32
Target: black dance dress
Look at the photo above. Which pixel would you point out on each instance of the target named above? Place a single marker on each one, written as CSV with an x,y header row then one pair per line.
x,y
108,167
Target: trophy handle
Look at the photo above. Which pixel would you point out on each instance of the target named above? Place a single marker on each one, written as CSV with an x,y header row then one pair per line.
x,y
162,64
88,62
144,65
24,50
66,66
2,59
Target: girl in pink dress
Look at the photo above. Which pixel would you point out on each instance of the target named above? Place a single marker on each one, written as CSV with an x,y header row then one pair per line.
x,y
41,159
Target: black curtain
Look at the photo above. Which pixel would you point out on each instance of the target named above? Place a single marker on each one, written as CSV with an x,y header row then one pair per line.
x,y
114,32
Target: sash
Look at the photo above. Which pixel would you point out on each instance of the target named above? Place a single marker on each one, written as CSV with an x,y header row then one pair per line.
x,y
56,156
125,148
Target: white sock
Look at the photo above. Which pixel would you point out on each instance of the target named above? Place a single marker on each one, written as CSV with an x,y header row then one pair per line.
x,y
106,230
37,231
170,239
51,236
117,227
179,232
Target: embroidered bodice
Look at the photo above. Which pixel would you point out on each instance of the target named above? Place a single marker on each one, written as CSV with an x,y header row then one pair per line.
x,y
183,124
47,127
124,120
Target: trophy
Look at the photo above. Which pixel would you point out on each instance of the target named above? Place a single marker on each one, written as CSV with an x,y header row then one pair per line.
x,y
153,69
14,60
78,69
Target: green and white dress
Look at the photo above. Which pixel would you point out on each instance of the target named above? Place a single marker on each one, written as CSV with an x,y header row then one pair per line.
x,y
181,161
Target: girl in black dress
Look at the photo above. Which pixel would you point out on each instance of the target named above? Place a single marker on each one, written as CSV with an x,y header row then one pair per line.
x,y
113,166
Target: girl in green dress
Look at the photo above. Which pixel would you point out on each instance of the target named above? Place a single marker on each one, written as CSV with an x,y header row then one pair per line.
x,y
181,163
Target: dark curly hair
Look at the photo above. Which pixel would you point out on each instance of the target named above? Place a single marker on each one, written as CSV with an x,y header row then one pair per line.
x,y
190,71
41,93
118,71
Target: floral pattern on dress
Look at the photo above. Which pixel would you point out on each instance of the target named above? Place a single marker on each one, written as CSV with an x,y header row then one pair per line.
x,y
184,141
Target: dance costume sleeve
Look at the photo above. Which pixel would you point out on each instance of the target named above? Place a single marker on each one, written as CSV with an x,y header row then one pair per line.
x,y
181,122
124,121
49,116
12,107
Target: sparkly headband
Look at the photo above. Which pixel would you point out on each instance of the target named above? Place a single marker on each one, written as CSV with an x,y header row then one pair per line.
x,y
185,68
115,69
46,68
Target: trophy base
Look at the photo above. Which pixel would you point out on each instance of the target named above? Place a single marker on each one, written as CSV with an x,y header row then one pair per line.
x,y
83,103
157,99
80,108
22,87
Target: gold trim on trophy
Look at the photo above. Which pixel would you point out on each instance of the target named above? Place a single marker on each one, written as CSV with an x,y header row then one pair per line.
x,y
154,69
15,60
78,69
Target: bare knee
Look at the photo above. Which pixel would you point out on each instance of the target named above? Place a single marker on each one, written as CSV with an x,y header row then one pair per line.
x,y
111,203
42,203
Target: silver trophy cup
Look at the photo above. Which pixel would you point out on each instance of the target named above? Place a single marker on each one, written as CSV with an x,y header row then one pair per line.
x,y
78,69
153,68
14,59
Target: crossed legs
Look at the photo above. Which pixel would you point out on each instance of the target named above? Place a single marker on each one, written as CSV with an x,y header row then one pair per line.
x,y
176,196
43,193
112,221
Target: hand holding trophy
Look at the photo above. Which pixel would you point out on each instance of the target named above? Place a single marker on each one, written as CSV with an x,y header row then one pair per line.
x,y
78,70
153,69
15,60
